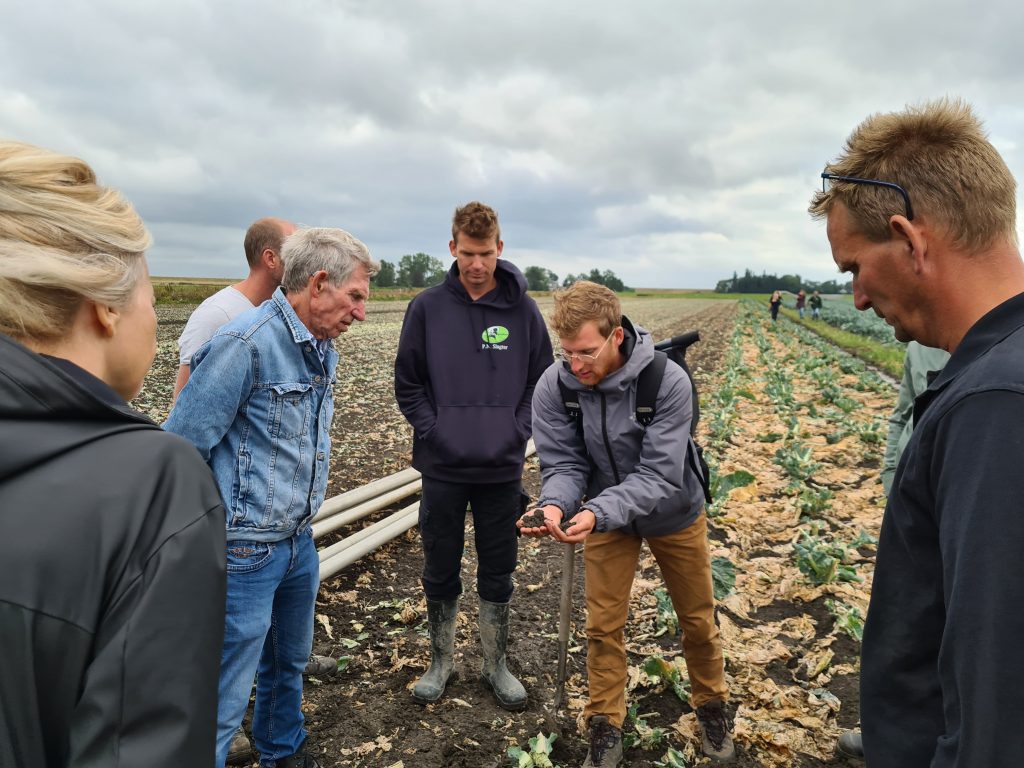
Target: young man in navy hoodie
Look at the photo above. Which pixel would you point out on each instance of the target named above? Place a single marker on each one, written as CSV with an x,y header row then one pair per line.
x,y
471,351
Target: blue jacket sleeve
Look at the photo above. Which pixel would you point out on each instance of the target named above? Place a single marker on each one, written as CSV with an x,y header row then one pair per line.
x,y
221,380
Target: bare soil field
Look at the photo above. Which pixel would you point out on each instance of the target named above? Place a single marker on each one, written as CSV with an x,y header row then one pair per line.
x,y
791,667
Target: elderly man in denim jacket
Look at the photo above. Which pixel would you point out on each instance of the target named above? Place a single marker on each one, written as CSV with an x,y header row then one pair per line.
x,y
258,405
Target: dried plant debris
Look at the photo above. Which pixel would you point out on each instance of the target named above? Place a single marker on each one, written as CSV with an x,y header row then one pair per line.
x,y
791,426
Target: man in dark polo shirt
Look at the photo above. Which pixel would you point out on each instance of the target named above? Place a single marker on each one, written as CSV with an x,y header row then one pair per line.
x,y
921,210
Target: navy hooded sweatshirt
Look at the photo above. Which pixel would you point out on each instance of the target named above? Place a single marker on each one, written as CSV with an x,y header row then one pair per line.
x,y
464,377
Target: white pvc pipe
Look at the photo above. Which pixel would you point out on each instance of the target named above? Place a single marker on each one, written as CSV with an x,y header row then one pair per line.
x,y
363,533
326,525
343,501
346,557
343,553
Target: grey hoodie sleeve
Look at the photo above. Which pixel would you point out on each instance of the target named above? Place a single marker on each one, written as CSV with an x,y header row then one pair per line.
x,y
659,472
564,466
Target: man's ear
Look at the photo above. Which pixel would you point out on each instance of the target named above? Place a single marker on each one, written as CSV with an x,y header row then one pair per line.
x,y
270,258
318,282
107,318
912,237
501,246
451,247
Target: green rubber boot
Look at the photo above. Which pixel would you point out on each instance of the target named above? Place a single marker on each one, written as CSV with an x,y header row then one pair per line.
x,y
441,625
509,692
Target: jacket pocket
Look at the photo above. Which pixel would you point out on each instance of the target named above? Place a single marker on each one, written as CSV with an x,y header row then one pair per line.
x,y
473,436
290,409
247,556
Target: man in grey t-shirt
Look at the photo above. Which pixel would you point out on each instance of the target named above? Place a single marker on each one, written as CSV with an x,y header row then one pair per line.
x,y
263,242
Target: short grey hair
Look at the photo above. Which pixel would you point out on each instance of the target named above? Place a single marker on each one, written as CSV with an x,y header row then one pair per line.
x,y
335,251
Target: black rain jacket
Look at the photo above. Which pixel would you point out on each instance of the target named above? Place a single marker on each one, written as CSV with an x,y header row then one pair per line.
x,y
112,580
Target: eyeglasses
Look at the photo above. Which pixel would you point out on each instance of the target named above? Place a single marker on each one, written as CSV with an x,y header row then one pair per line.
x,y
568,357
827,177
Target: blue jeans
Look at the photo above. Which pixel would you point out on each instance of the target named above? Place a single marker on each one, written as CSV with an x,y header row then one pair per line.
x,y
268,629
496,507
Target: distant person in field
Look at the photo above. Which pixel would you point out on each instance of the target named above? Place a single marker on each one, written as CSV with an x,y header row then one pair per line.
x,y
263,242
921,210
774,303
621,484
259,406
920,366
109,526
470,353
801,302
815,304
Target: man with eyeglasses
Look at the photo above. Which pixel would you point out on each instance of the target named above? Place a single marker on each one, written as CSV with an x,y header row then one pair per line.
x,y
620,484
470,353
941,676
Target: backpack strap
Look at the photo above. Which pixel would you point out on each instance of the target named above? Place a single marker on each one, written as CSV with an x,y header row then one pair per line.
x,y
647,385
571,403
695,458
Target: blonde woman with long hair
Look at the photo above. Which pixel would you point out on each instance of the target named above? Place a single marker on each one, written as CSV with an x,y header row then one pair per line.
x,y
111,530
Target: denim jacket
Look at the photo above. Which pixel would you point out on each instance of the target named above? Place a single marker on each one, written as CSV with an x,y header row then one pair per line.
x,y
258,405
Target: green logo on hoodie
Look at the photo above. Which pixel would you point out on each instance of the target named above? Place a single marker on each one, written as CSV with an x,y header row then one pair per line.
x,y
495,334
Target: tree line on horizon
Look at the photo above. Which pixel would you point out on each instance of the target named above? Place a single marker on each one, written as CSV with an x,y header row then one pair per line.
x,y
765,283
421,270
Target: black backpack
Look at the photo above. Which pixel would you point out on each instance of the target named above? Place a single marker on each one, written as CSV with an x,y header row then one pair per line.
x,y
647,386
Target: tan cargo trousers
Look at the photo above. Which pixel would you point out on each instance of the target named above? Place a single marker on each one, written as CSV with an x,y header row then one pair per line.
x,y
610,560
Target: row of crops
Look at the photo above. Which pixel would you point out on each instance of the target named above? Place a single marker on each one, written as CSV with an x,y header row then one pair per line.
x,y
841,313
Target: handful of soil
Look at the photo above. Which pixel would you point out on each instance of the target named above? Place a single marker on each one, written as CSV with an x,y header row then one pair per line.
x,y
534,520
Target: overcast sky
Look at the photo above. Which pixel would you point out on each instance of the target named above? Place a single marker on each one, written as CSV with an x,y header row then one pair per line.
x,y
670,142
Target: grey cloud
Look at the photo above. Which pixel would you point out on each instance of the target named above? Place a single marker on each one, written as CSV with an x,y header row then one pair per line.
x,y
667,141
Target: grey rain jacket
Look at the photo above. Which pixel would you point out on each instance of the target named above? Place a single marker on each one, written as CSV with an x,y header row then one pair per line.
x,y
639,479
111,578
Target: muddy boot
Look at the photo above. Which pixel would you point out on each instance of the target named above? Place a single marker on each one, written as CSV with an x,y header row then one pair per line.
x,y
605,744
493,639
320,666
850,744
441,624
715,731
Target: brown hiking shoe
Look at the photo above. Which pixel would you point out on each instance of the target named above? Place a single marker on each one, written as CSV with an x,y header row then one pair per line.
x,y
605,744
239,750
715,731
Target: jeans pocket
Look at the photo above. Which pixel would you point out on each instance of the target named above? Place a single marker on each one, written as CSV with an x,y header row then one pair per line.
x,y
246,556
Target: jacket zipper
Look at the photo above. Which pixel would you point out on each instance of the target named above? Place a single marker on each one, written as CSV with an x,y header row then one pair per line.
x,y
607,443
608,450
